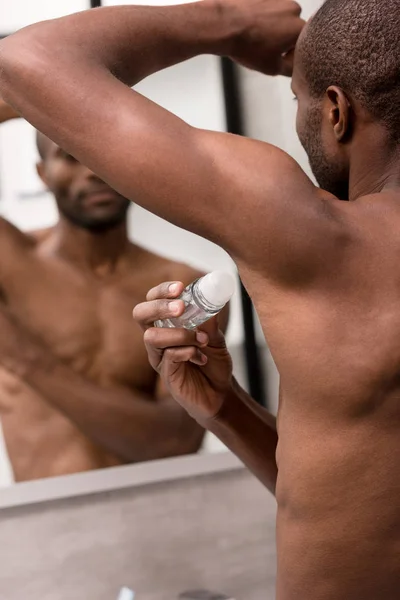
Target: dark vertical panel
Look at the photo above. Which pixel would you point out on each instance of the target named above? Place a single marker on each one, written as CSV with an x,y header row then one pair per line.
x,y
234,120
95,3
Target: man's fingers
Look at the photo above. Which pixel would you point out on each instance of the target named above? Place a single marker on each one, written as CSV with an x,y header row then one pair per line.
x,y
185,354
147,313
157,340
289,44
290,35
170,337
168,289
216,338
163,342
286,67
295,8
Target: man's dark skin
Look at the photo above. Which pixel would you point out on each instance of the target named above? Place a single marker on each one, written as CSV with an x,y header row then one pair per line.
x,y
321,272
76,390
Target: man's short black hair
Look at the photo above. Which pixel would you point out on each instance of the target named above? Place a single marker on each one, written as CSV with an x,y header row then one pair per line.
x,y
355,45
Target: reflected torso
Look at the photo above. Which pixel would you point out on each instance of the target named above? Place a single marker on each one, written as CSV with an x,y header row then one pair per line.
x,y
86,321
337,348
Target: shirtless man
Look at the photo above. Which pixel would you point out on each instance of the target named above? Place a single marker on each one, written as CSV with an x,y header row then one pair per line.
x,y
322,272
76,389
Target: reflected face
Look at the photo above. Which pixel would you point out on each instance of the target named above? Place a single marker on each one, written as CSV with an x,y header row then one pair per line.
x,y
315,130
81,196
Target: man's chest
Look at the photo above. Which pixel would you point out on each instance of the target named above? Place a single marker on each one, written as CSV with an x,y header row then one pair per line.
x,y
85,322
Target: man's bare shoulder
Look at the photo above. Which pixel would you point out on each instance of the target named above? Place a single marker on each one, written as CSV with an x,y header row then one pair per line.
x,y
11,236
25,238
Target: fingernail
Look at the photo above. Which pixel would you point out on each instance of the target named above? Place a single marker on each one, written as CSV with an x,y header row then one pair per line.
x,y
174,307
201,337
173,288
204,358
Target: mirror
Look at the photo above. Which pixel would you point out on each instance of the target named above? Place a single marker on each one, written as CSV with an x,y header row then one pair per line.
x,y
195,92
85,536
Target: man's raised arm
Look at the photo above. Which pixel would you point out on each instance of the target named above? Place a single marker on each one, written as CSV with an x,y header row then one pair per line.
x,y
70,78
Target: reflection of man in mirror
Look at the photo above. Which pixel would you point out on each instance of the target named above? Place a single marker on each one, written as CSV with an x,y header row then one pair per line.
x,y
322,265
76,389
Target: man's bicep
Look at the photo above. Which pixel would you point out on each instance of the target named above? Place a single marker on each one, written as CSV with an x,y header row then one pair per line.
x,y
159,162
237,192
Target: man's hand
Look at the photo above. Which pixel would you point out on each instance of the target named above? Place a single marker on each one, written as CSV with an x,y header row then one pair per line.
x,y
195,366
198,375
271,29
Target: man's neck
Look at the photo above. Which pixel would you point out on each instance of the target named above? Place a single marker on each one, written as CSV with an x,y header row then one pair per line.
x,y
101,252
375,167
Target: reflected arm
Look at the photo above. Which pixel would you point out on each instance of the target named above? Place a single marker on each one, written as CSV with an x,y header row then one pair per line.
x,y
131,425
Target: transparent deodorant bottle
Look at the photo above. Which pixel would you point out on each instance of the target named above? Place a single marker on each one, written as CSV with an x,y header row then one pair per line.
x,y
203,299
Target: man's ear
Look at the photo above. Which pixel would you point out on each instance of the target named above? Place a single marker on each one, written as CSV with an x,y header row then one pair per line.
x,y
339,113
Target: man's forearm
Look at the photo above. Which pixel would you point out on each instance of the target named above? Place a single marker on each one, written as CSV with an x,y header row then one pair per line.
x,y
133,42
250,432
131,425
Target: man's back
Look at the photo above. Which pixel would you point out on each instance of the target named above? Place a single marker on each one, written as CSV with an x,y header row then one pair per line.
x,y
84,317
337,349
